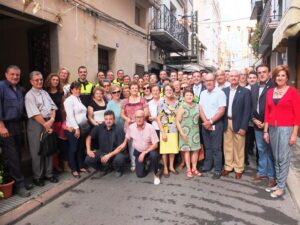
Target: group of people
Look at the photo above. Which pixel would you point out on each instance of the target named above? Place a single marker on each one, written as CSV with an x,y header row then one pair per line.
x,y
211,119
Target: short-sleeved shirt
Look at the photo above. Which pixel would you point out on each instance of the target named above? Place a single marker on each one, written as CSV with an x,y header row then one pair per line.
x,y
39,102
108,139
212,101
142,139
11,102
168,115
131,108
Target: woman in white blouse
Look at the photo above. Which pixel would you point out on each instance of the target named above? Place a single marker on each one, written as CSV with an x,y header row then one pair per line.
x,y
77,129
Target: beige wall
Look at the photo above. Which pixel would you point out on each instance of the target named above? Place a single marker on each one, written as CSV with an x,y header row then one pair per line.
x,y
79,36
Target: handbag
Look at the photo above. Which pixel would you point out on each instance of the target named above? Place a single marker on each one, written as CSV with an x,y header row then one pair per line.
x,y
201,155
48,144
84,129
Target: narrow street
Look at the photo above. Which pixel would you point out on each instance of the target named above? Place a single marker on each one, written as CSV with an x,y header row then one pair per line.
x,y
177,200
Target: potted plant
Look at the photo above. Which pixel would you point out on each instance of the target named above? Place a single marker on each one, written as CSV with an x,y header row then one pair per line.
x,y
6,183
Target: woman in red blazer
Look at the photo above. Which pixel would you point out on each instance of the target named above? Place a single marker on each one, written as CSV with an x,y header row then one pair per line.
x,y
282,118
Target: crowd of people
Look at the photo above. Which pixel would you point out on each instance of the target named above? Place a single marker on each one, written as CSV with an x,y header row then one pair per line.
x,y
199,121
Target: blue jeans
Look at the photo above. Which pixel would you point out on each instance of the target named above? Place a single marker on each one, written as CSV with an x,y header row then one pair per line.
x,y
265,159
279,138
213,147
117,162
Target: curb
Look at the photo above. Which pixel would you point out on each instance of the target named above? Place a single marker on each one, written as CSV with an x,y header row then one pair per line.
x,y
32,205
293,181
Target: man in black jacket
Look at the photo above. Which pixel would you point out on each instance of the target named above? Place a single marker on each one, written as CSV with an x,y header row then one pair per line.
x,y
258,94
236,120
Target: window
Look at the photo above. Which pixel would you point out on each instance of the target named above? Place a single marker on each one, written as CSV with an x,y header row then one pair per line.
x,y
137,16
103,61
139,69
140,16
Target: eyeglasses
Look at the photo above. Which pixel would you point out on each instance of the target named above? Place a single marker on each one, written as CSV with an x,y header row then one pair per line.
x,y
146,87
116,92
182,88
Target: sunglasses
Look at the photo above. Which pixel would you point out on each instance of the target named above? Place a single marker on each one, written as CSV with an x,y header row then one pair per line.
x,y
116,92
106,85
182,88
147,87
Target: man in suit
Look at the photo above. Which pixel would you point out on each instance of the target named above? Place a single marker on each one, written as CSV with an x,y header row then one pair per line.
x,y
236,121
258,96
197,86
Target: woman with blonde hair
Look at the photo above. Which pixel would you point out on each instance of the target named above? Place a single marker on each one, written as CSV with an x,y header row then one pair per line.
x,y
64,76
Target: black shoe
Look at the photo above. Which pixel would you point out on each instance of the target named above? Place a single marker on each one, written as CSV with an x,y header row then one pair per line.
x,y
118,174
29,186
52,179
22,192
216,175
38,182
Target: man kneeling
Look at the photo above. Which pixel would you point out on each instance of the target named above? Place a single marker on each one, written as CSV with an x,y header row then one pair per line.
x,y
144,140
109,138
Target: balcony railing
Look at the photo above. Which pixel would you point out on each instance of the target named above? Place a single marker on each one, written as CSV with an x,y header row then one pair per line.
x,y
268,22
166,24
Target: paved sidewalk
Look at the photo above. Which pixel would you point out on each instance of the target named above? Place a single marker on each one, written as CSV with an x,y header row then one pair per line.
x,y
15,208
294,174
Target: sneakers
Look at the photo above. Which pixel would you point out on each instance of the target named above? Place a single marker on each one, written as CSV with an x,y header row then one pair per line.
x,y
156,180
132,168
278,193
271,189
22,192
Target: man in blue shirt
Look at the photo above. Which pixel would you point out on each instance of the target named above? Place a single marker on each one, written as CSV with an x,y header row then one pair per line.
x,y
11,115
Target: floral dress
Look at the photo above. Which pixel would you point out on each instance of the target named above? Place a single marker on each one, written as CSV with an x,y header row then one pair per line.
x,y
168,114
190,126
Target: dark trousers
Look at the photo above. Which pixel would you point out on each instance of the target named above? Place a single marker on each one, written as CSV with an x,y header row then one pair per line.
x,y
75,151
11,147
152,156
249,143
117,162
213,147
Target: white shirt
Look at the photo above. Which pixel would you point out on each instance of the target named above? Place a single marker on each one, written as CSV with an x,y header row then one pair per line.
x,y
231,97
226,84
76,112
212,101
197,89
153,112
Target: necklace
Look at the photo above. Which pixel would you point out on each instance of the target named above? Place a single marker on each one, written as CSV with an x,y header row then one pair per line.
x,y
279,92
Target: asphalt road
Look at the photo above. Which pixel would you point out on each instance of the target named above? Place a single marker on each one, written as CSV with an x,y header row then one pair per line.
x,y
177,200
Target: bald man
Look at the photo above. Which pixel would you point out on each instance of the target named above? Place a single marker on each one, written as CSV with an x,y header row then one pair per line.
x,y
145,143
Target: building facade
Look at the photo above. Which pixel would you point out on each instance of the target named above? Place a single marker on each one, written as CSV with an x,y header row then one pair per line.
x,y
209,32
280,34
71,33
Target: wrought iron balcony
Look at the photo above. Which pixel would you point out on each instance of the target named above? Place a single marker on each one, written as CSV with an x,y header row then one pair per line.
x,y
268,22
167,32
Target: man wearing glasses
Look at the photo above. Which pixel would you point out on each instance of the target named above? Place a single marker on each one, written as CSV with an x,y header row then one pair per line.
x,y
41,113
145,143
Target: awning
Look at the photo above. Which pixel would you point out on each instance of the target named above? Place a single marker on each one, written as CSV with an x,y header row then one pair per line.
x,y
289,26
